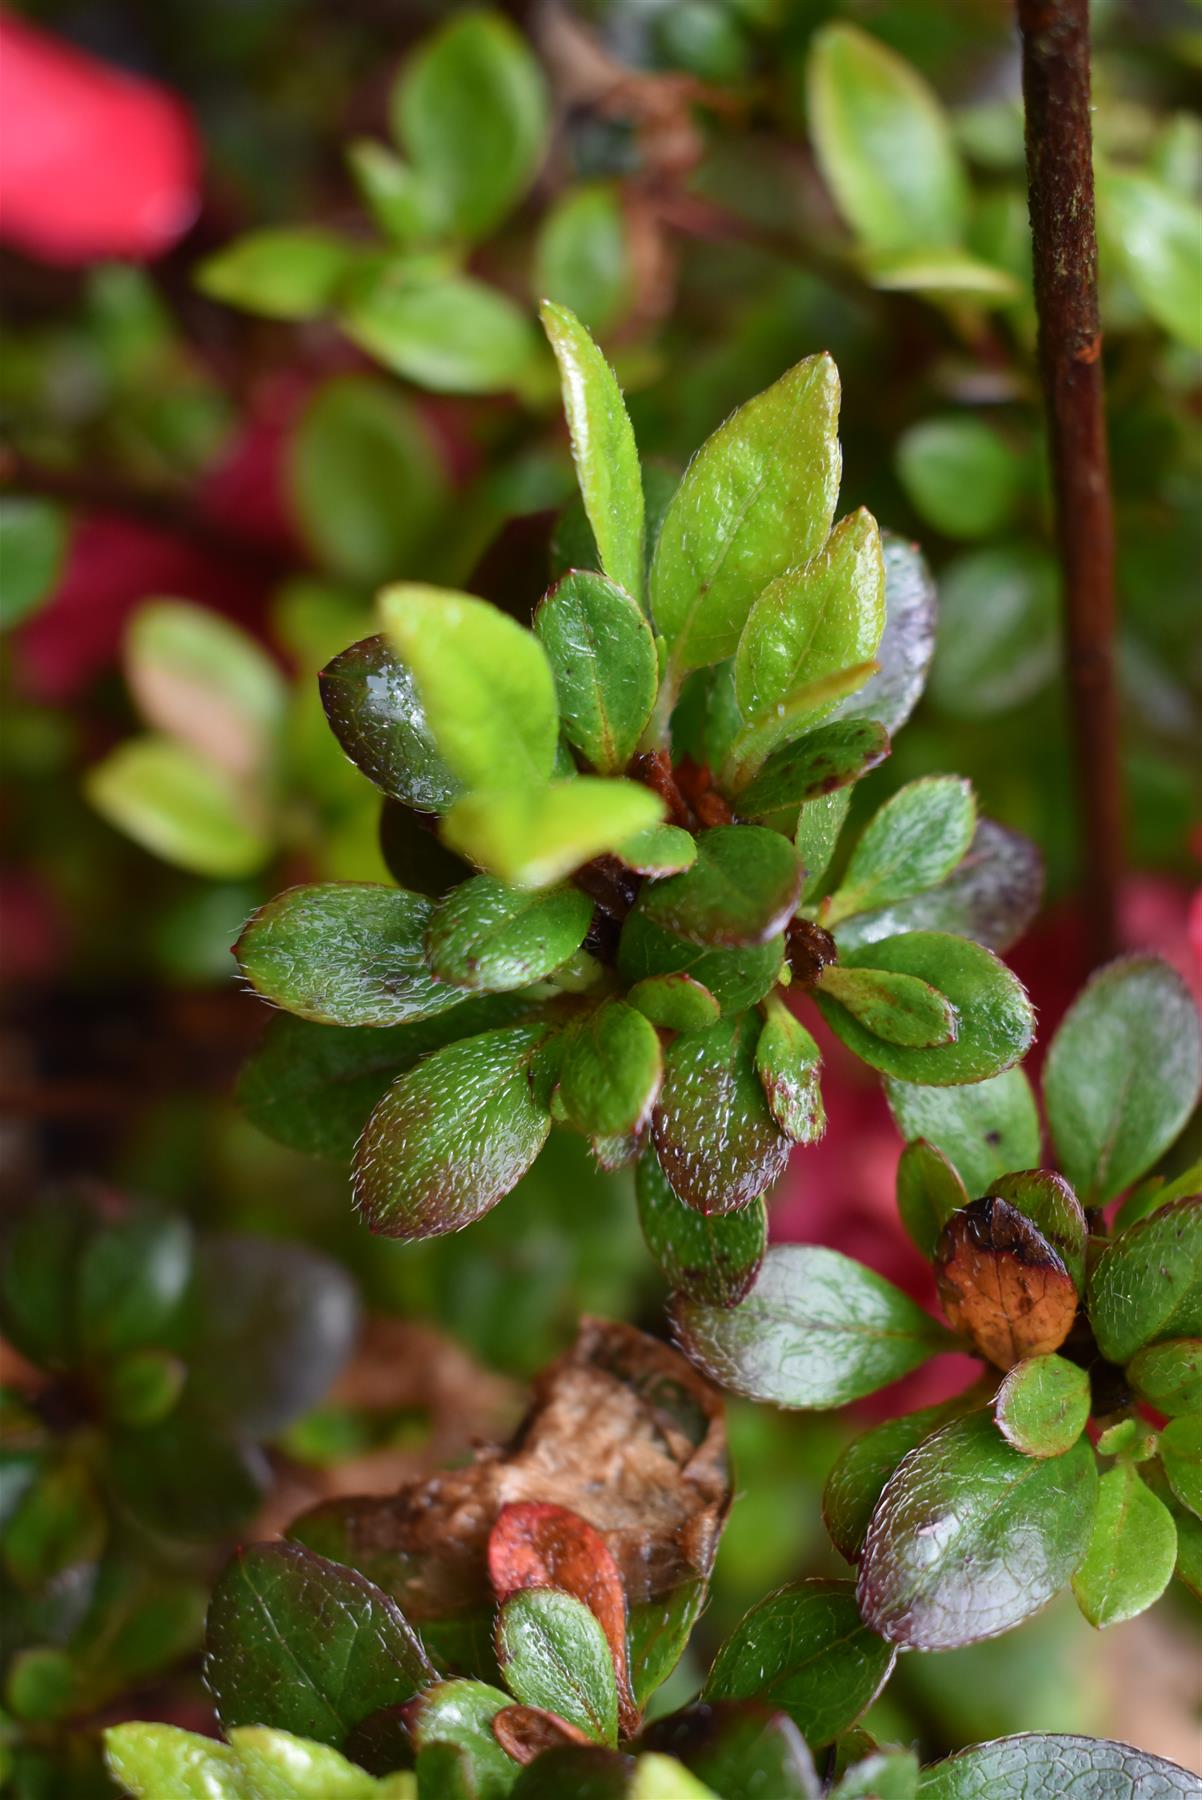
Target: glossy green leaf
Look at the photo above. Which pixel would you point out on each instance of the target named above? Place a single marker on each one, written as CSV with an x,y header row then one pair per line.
x,y
162,1762
805,1649
758,498
603,448
929,1191
611,1071
370,700
991,896
830,757
33,545
177,805
1169,1376
583,258
602,656
883,1775
1042,1406
1017,1768
658,851
736,978
995,1018
713,1259
445,332
131,1277
1123,1073
718,1143
903,655
536,837
1131,1554
484,683
742,889
1181,1455
900,1009
1147,1283
912,842
461,1713
663,1778
817,1330
857,1480
1189,1552
818,827
554,1654
198,678
293,273
452,1136
883,144
676,1002
971,1536
658,1631
1050,1203
984,1129
960,475
306,1645
1156,231
488,936
789,1064
744,1749
999,630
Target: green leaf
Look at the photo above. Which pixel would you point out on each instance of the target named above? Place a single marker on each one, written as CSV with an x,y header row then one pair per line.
x,y
736,978
484,682
742,889
745,1750
999,630
1147,1283
758,498
903,655
131,1278
603,448
602,656
461,1713
189,1477
535,838
1169,1376
394,194
817,1330
583,256
1123,1074
912,842
884,1775
553,1653
452,1136
1042,1406
658,1631
449,333
33,546
1156,1192
306,1645
658,851
788,1063
38,1278
1050,1203
713,1259
806,1650
1131,1554
992,897
663,1778
826,759
177,805
370,699
1017,1768
960,475
996,1020
929,1191
883,144
1189,1552
365,479
611,1071
943,275
984,1129
1181,1455
200,679
716,1138
900,1009
971,1536
1156,231
293,273
344,953
857,1480
161,1762
818,827
57,1523
488,936
676,1002
470,111
278,1766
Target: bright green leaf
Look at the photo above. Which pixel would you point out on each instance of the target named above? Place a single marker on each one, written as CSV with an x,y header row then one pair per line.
x,y
1169,1376
461,1713
293,273
33,545
677,1002
177,805
554,1654
1181,1455
912,842
960,475
900,1009
487,936
534,838
611,1071
162,1762
583,257
742,889
1131,1554
736,978
984,1129
788,1063
449,333
602,656
929,1191
1147,1283
658,851
903,655
1042,1406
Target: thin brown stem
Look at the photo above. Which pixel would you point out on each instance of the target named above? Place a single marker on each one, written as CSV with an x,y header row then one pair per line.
x,y
1055,40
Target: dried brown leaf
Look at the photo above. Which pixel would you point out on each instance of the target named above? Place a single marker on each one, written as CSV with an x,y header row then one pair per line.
x,y
1002,1284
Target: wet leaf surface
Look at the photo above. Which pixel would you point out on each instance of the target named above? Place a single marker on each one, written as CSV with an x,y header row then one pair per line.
x,y
710,1257
717,1141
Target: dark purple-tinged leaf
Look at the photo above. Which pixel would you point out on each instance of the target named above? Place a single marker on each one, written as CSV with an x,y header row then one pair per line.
x,y
857,1481
306,1646
1002,1284
1042,1406
824,760
789,1065
459,1715
712,1258
344,953
675,1002
452,1135
487,936
1131,1554
602,655
1123,1074
904,653
1050,1203
743,1750
971,1536
806,1649
817,1330
415,856
586,1772
742,889
985,1128
611,1071
991,896
1147,1283
929,1191
658,1631
1181,1457
372,705
1169,1376
1032,1765
913,842
996,1021
718,1143
553,1653
190,1476
900,1009
736,978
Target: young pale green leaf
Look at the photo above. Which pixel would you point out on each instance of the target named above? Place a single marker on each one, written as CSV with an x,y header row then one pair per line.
x,y
675,1002
1042,1406
487,936
1156,1192
162,1762
445,332
293,273
904,653
960,475
603,448
813,621
611,1071
33,545
602,656
1156,231
1050,1203
713,1259
536,837
829,758
1189,1551
984,1129
900,1009
402,206
789,1063
882,1775
742,889
718,1143
1131,1554
929,1191
306,1646
736,978
1123,1074
805,1649
758,498
344,953
817,1330
971,1536
1181,1456
884,144
943,275
553,1653
1169,1376
857,1481
991,896
658,851
999,630
483,681
818,826
452,1136
470,111
198,678
912,842
583,257
461,1714
370,699
995,1018
1147,1283
177,805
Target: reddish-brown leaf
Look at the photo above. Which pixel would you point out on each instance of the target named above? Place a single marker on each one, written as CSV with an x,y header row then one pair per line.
x,y
1002,1284
524,1732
